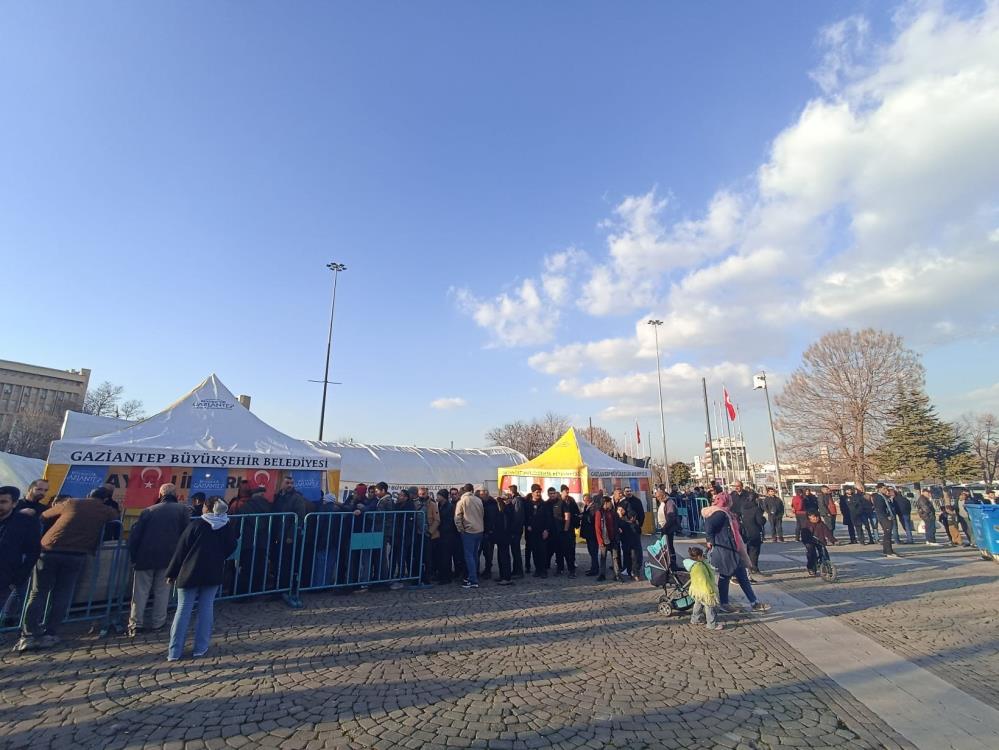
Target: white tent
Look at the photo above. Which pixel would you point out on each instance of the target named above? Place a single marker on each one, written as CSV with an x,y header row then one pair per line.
x,y
19,471
207,435
77,425
403,466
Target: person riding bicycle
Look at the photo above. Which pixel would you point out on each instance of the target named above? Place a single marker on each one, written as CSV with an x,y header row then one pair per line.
x,y
814,532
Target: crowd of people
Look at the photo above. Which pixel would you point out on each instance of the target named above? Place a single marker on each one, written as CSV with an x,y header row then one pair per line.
x,y
258,546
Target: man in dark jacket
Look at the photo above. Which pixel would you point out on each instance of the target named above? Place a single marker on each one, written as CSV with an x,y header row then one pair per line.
x,y
824,498
449,565
254,574
753,526
844,509
538,521
19,548
566,522
903,508
75,534
774,508
287,500
151,544
31,504
517,502
591,504
885,519
741,497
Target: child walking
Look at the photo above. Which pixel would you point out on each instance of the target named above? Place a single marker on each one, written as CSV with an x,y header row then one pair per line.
x,y
703,589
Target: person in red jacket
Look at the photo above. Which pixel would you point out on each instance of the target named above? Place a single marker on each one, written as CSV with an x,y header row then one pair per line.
x,y
605,526
798,508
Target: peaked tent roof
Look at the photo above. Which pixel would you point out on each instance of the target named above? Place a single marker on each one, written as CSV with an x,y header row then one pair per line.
x,y
572,451
401,464
77,425
207,420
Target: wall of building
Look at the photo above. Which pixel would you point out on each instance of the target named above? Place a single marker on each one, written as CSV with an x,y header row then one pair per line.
x,y
34,389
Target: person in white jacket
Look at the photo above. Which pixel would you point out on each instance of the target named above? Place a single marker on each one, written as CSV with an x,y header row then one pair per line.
x,y
468,518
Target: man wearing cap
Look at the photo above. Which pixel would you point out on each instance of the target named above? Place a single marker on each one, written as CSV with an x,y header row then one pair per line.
x,y
151,544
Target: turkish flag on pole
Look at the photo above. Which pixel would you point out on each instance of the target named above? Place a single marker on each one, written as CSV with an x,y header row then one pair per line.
x,y
728,405
638,433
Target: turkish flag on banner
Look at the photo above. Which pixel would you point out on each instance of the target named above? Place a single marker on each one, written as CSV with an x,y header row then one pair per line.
x,y
266,478
144,485
728,405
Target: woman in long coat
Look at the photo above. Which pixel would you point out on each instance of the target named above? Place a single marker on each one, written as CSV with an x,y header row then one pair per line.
x,y
728,551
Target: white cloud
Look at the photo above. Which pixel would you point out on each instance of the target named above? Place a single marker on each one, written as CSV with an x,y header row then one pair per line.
x,y
876,207
448,402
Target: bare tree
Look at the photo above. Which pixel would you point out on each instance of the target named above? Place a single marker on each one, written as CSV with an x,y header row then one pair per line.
x,y
835,405
31,434
535,437
982,433
105,401
601,438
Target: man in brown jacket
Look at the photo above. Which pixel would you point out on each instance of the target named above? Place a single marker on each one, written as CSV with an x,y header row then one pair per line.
x,y
75,533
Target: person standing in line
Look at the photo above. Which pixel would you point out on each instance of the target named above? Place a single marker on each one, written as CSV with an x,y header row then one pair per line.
x,y
20,546
569,510
31,504
606,528
849,519
868,517
630,535
668,519
151,544
517,502
449,563
538,522
927,514
76,533
468,519
703,589
553,546
824,499
885,519
502,533
431,533
490,511
774,508
196,568
728,552
588,532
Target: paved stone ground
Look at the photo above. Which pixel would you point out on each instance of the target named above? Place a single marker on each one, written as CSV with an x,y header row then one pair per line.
x,y
936,606
538,665
554,663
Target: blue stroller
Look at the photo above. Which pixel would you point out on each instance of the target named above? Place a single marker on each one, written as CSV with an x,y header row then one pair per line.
x,y
675,584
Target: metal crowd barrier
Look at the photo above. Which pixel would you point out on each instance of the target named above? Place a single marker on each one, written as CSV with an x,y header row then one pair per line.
x,y
340,549
689,510
97,588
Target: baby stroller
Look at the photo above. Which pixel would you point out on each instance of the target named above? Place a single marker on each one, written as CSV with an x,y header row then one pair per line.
x,y
675,584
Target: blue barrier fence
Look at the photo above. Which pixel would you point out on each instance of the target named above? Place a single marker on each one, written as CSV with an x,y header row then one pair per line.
x,y
277,555
689,510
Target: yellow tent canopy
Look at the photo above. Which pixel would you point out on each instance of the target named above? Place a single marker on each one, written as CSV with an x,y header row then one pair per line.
x,y
575,462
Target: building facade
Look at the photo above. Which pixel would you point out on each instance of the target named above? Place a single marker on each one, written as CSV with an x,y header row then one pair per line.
x,y
31,389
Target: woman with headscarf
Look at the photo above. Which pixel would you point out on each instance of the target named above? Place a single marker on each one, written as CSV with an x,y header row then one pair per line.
x,y
728,551
196,568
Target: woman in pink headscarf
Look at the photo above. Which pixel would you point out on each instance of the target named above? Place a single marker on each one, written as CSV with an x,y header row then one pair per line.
x,y
728,551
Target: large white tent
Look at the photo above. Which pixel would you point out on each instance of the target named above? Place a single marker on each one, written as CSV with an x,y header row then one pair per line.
x,y
205,441
19,471
77,425
403,466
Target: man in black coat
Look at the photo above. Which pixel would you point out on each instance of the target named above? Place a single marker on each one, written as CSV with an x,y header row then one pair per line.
x,y
886,521
774,508
20,534
845,511
517,502
753,527
151,544
566,523
449,562
591,504
539,521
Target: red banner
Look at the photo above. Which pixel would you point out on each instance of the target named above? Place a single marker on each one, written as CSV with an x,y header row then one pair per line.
x,y
144,485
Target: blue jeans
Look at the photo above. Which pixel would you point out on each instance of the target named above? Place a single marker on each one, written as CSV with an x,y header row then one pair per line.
x,y
204,597
470,544
742,576
907,525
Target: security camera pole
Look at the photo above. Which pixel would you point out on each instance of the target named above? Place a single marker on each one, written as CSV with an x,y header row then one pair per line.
x,y
662,413
335,268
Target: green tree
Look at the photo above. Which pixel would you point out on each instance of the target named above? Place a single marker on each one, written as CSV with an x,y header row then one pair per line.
x,y
918,445
679,474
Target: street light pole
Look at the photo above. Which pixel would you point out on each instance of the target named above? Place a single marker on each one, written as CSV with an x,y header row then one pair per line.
x,y
762,379
336,268
662,412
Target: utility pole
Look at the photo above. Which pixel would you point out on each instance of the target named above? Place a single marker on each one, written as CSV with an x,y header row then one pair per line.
x,y
760,381
336,268
662,412
707,419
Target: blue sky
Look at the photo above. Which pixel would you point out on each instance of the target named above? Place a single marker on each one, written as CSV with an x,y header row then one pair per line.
x,y
176,176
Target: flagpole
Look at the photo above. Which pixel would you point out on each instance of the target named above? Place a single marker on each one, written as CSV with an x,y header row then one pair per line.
x,y
728,430
710,468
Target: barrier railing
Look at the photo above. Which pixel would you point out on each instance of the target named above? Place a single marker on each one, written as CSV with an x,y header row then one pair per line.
x,y
275,555
344,549
689,509
94,593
